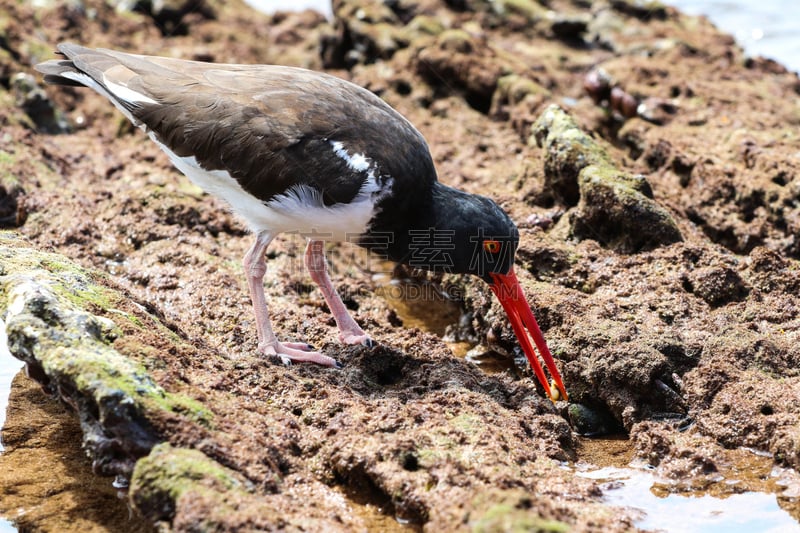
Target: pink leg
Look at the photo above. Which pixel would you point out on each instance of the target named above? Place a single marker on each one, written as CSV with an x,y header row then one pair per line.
x,y
349,331
255,266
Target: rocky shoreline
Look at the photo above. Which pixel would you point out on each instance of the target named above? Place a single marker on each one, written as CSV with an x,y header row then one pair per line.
x,y
652,170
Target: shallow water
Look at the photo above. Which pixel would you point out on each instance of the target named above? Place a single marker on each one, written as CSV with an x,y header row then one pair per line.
x,y
748,494
767,27
9,367
418,305
692,511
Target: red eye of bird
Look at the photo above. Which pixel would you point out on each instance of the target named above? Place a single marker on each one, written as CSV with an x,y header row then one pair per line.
x,y
491,246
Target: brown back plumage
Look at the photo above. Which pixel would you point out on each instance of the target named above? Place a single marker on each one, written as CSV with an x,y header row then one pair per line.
x,y
270,127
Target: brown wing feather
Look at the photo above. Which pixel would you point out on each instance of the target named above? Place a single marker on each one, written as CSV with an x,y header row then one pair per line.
x,y
269,126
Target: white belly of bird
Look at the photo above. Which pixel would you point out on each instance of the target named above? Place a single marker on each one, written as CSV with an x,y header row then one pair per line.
x,y
298,210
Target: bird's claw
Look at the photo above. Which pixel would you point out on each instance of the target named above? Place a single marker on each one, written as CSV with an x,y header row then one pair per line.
x,y
296,352
302,346
287,361
356,338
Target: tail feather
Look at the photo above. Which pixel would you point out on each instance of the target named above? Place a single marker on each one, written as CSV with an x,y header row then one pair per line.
x,y
108,68
54,70
91,68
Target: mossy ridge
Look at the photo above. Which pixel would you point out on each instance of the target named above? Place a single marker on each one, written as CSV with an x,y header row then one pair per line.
x,y
69,351
172,486
611,206
83,289
531,10
42,297
168,473
67,280
508,511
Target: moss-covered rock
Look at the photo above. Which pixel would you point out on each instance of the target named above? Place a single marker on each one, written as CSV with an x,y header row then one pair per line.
x,y
12,211
569,150
641,9
517,99
618,215
613,207
425,25
31,98
168,474
513,89
364,31
531,10
508,511
44,303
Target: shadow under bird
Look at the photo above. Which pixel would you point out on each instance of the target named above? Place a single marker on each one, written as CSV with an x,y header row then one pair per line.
x,y
292,150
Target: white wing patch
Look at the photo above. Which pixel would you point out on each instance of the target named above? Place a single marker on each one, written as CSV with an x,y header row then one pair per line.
x,y
90,82
126,93
358,162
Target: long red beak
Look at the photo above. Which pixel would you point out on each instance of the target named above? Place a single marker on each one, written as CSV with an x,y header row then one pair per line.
x,y
506,288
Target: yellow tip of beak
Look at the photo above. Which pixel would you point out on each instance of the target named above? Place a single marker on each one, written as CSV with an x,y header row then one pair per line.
x,y
554,393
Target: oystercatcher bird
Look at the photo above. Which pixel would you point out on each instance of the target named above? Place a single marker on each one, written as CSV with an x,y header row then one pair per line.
x,y
292,150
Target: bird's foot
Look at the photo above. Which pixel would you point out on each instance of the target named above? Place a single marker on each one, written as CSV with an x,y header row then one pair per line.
x,y
302,346
298,352
356,337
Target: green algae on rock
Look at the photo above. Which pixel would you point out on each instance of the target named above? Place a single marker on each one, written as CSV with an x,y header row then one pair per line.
x,y
515,99
169,473
618,215
508,511
31,98
531,10
514,88
44,301
569,151
12,212
613,207
632,331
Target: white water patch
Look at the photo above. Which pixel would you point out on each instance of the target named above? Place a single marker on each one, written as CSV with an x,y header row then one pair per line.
x,y
9,367
749,511
271,6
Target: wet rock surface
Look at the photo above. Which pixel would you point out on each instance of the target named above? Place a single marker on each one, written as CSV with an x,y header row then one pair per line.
x,y
45,477
664,272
